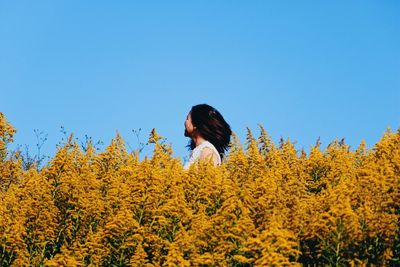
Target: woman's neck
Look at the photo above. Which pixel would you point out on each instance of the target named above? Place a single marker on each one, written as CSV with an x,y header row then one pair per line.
x,y
198,140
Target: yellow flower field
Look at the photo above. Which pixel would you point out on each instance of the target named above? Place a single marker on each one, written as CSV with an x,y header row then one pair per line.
x,y
267,205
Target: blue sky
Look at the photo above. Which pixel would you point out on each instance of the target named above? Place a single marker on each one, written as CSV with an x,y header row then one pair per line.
x,y
303,69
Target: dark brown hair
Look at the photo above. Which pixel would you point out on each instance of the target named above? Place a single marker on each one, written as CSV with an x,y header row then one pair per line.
x,y
211,126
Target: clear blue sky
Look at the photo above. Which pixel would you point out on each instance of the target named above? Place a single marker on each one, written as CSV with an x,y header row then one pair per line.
x,y
303,69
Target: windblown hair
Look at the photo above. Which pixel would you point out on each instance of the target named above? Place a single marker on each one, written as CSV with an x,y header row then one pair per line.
x,y
211,126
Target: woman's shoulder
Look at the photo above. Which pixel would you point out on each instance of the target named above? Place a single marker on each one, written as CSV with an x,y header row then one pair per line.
x,y
209,149
207,144
203,150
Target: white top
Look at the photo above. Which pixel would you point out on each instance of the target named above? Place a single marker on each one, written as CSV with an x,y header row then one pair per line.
x,y
195,155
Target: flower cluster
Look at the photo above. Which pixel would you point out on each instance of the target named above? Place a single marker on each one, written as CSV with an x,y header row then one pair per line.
x,y
266,205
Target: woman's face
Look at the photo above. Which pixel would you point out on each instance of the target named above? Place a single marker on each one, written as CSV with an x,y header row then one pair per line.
x,y
189,126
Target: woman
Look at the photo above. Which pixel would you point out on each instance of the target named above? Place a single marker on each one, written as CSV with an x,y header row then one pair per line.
x,y
209,132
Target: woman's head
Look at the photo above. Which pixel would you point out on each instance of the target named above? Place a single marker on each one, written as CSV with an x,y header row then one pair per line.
x,y
205,121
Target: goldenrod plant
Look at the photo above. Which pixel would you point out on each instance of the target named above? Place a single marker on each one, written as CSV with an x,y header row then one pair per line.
x,y
266,205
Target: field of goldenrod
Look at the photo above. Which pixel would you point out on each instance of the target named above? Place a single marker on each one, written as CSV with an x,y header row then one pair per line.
x,y
267,205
